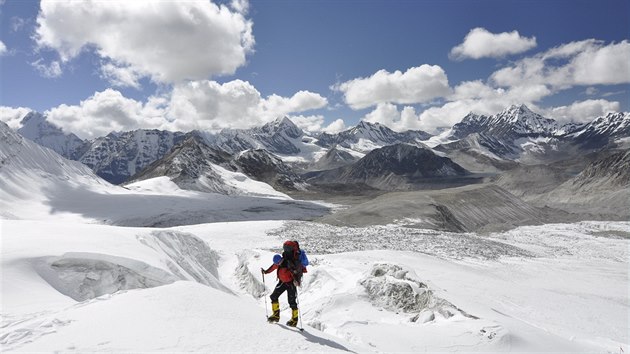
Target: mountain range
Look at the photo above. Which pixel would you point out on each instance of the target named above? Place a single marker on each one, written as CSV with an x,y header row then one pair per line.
x,y
392,167
478,143
286,158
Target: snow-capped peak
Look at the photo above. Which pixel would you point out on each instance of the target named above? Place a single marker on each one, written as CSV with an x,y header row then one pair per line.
x,y
283,125
365,128
37,128
512,123
474,118
516,111
368,125
612,124
521,120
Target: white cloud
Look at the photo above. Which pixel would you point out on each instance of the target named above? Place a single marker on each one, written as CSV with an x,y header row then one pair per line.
x,y
480,43
583,63
236,104
168,41
416,85
316,124
241,6
13,116
3,49
582,111
468,96
614,93
533,78
335,127
119,75
430,120
51,70
299,102
590,91
480,98
310,124
105,112
209,105
205,105
388,114
527,81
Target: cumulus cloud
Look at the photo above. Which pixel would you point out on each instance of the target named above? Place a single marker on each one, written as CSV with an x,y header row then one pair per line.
x,y
582,63
299,102
205,105
582,111
430,120
104,112
236,104
389,115
120,75
167,41
310,124
13,116
336,126
416,85
3,49
469,96
529,80
480,43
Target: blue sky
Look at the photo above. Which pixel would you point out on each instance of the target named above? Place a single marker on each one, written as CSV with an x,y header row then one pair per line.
x,y
323,48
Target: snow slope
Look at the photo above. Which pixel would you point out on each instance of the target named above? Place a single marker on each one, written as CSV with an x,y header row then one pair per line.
x,y
28,172
191,311
36,183
566,291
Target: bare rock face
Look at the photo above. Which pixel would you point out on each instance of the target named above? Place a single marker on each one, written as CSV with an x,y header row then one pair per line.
x,y
334,158
614,169
479,207
280,136
392,167
603,187
190,165
195,165
529,182
118,156
265,167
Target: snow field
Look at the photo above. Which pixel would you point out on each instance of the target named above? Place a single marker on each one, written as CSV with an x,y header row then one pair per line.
x,y
199,288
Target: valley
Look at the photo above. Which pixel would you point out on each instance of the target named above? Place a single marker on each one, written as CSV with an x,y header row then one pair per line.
x,y
414,246
243,176
527,158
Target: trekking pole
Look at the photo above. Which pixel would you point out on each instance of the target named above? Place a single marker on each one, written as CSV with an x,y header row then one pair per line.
x,y
297,300
265,294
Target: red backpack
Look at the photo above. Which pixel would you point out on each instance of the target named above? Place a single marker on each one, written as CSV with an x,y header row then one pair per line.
x,y
290,268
